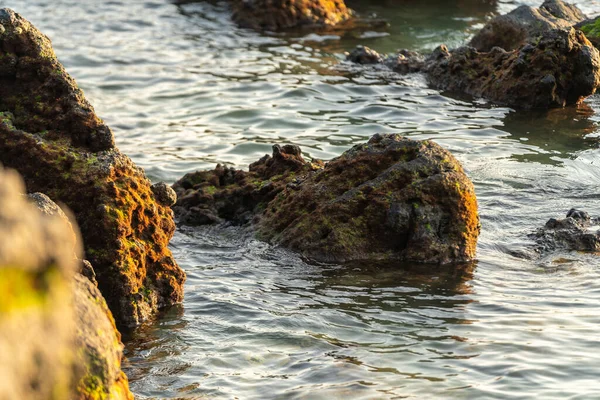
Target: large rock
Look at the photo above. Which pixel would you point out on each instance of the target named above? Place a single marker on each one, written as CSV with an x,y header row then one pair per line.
x,y
512,30
51,135
390,199
49,348
558,68
285,14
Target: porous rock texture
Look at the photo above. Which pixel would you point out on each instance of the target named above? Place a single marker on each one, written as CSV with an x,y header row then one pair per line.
x,y
559,68
275,15
48,348
591,28
512,30
51,135
392,199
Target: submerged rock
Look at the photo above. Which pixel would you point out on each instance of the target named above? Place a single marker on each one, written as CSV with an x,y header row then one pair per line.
x,y
390,199
578,231
512,30
51,135
50,349
277,15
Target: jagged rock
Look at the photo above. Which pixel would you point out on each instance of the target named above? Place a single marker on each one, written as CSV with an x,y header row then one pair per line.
x,y
559,68
277,15
364,55
226,194
578,231
390,199
51,135
512,30
57,337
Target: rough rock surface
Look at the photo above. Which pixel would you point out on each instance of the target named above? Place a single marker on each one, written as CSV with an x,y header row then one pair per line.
x,y
559,68
512,30
48,348
51,135
277,15
578,231
390,199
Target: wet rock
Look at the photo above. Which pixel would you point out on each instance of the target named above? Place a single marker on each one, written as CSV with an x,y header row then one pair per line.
x,y
51,135
229,195
364,55
57,336
164,194
578,231
277,15
512,30
559,68
390,199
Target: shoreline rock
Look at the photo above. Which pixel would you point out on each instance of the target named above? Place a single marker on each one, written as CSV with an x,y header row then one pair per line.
x,y
577,232
392,198
51,135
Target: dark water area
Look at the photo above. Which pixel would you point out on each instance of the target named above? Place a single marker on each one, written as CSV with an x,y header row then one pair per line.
x,y
183,88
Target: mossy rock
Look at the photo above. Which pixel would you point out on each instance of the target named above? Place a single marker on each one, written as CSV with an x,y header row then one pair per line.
x,y
51,135
391,199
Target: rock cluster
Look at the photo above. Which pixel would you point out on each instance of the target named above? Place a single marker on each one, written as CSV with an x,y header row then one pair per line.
x,y
578,231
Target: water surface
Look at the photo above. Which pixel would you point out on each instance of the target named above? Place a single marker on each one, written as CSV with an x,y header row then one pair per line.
x,y
183,88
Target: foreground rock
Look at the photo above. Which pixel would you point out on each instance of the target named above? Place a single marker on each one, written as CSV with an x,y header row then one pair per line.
x,y
390,199
512,30
51,135
48,348
559,68
277,15
578,231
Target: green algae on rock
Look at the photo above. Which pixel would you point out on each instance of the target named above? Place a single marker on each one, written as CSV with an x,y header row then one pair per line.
x,y
285,14
591,28
51,135
391,199
48,347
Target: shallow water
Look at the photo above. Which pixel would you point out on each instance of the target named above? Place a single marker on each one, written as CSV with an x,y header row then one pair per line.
x,y
183,89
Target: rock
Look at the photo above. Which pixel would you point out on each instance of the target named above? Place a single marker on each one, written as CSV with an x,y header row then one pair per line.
x,y
57,337
591,28
226,194
578,231
51,135
559,68
512,30
364,55
164,194
99,347
392,199
275,15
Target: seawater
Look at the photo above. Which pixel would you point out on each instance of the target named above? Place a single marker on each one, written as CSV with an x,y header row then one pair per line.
x,y
183,88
